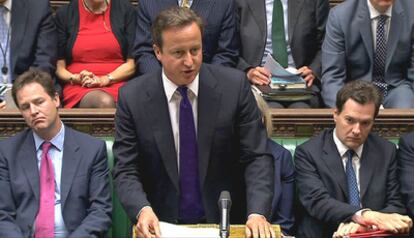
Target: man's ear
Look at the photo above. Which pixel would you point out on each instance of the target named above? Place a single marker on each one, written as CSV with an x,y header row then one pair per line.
x,y
335,114
157,51
57,100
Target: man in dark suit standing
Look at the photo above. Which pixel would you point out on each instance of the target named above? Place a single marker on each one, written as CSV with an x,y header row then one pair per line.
x,y
346,176
187,132
406,171
291,30
54,181
220,41
370,40
27,38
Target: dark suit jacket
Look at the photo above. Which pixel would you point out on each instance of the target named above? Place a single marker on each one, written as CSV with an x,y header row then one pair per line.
x,y
306,29
33,37
322,186
348,48
85,192
406,171
220,41
230,136
284,187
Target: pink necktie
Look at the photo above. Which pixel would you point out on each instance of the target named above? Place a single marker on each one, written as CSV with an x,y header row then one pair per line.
x,y
45,220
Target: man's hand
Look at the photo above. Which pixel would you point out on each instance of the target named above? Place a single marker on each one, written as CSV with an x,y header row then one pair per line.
x,y
257,226
258,76
147,225
345,229
307,75
394,222
2,105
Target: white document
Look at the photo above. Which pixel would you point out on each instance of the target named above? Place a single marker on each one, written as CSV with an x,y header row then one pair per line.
x,y
169,230
276,69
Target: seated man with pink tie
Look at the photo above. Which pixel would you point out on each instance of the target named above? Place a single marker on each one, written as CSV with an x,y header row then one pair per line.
x,y
54,181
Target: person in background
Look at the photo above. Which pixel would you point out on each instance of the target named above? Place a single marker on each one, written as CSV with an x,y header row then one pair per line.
x,y
292,31
27,39
284,187
95,58
220,40
347,176
370,40
193,131
54,181
406,172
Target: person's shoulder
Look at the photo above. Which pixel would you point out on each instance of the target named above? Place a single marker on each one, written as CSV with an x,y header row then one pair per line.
x,y
346,9
83,138
141,82
15,140
317,142
35,5
223,70
409,138
379,142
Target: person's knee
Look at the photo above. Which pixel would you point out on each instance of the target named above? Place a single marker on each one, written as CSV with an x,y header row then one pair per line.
x,y
105,101
97,99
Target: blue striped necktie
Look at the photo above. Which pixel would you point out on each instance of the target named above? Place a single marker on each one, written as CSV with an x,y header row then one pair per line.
x,y
353,192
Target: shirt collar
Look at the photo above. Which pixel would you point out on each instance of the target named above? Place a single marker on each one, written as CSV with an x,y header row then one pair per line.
x,y
56,141
170,87
374,13
342,148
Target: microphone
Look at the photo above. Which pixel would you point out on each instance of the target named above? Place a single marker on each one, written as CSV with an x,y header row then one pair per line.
x,y
224,204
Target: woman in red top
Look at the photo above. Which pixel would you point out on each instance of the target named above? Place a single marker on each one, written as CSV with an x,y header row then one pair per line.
x,y
95,40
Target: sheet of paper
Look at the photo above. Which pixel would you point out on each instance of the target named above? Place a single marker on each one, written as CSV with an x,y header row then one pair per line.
x,y
276,69
169,230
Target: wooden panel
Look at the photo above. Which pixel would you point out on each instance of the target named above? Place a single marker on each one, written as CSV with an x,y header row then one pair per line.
x,y
287,123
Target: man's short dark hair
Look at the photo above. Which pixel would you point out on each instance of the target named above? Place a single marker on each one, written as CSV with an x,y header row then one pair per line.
x,y
33,75
173,17
361,92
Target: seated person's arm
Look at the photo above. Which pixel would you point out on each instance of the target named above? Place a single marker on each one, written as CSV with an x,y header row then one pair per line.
x,y
313,194
46,46
8,227
123,72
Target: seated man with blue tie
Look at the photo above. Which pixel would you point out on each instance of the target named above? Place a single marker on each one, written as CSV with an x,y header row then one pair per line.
x,y
188,131
54,181
370,40
347,176
27,38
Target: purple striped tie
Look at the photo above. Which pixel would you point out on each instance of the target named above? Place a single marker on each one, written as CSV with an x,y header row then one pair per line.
x,y
191,206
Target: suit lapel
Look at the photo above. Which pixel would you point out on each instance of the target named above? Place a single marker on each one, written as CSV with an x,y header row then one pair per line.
x,y
208,106
158,114
70,161
294,9
397,20
368,166
28,160
364,23
334,162
18,27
